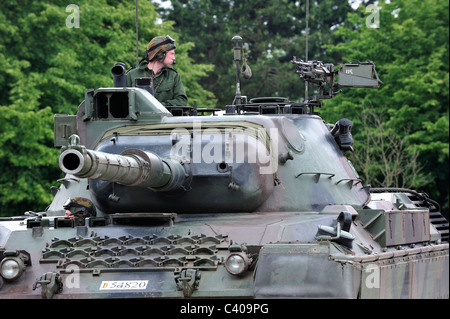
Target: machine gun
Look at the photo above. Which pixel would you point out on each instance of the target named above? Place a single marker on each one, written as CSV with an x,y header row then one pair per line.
x,y
326,78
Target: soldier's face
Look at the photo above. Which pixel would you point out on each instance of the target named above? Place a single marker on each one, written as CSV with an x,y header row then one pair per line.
x,y
170,57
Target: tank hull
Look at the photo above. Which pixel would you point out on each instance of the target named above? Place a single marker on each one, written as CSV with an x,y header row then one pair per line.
x,y
121,260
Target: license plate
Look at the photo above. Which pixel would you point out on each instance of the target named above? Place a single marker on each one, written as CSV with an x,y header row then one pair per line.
x,y
124,285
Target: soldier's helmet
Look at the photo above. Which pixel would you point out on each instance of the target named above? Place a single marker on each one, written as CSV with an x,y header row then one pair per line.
x,y
158,46
80,206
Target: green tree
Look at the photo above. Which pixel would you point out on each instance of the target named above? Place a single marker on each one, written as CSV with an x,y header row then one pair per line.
x,y
48,59
410,49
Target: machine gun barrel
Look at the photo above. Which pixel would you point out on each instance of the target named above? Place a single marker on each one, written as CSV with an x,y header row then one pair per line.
x,y
313,67
133,167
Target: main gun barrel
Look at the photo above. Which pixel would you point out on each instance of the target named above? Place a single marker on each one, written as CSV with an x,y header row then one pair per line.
x,y
133,167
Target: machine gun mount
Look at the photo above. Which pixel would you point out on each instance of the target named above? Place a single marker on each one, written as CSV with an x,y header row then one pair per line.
x,y
327,78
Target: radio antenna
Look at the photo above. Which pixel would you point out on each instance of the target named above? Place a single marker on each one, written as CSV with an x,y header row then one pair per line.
x,y
306,47
137,35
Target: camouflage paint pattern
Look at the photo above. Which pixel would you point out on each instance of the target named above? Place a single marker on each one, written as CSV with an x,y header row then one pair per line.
x,y
283,222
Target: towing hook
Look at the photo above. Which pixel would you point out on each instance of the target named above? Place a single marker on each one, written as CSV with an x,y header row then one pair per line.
x,y
188,281
50,283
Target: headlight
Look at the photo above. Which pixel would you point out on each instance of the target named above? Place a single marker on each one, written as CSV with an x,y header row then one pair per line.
x,y
11,268
236,264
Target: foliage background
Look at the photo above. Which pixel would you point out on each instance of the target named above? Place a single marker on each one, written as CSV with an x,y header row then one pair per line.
x,y
401,130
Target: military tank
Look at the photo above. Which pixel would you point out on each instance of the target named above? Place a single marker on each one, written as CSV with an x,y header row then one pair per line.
x,y
260,202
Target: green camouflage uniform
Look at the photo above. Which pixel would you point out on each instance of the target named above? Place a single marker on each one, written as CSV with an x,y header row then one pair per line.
x,y
169,89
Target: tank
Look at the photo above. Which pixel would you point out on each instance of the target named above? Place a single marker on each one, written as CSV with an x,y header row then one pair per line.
x,y
257,202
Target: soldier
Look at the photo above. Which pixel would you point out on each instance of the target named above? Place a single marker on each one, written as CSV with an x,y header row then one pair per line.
x,y
157,65
79,207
